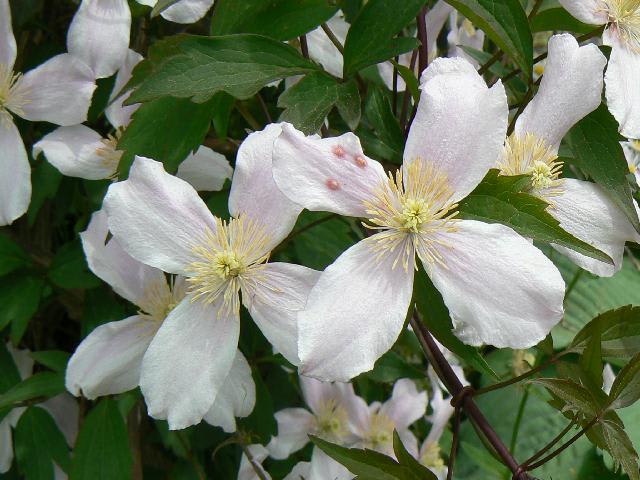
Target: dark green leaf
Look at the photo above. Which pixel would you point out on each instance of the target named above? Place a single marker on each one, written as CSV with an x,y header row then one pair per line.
x,y
553,19
199,67
591,359
626,387
39,386
371,37
391,367
620,333
279,19
410,80
621,449
597,151
576,397
222,107
407,460
166,130
39,443
499,199
69,268
348,103
102,449
385,124
56,360
504,22
10,374
20,299
12,255
45,180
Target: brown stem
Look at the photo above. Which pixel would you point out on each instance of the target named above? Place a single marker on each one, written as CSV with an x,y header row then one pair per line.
x,y
407,94
486,66
332,37
525,101
256,467
264,108
422,36
304,48
454,444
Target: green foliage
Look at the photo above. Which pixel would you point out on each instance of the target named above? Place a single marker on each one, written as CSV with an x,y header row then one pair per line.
x,y
39,386
626,388
554,19
384,123
12,255
20,297
618,331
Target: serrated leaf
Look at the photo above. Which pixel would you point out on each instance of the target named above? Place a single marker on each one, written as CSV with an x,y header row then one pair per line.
x,y
505,22
553,19
12,255
626,387
56,360
102,449
371,37
279,19
499,199
621,449
576,397
619,330
199,67
407,460
39,386
597,152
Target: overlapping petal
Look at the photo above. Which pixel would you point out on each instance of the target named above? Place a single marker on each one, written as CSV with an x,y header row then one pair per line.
x,y
294,425
406,405
118,114
622,79
15,189
587,11
7,40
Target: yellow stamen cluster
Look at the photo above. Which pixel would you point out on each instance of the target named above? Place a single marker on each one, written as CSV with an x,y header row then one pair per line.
x,y
624,16
380,434
522,361
331,421
230,258
109,152
12,97
431,456
412,212
531,155
160,298
468,27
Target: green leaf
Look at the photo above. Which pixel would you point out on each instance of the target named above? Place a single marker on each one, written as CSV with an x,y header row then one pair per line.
x,y
594,141
167,130
56,360
619,332
436,316
499,199
279,19
371,37
102,449
12,255
69,268
39,443
10,375
45,181
391,367
407,460
591,359
410,80
626,387
161,6
385,124
348,103
504,22
222,106
20,299
39,386
199,67
553,19
621,449
576,397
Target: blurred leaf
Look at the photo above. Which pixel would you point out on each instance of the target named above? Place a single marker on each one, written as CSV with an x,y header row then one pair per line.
x,y
100,307
222,105
10,375
167,130
279,19
40,385
591,358
348,103
45,180
500,199
20,299
56,360
619,331
576,398
626,387
39,443
385,124
407,460
594,141
554,19
371,37
102,449
504,22
12,255
199,67
391,367
516,88
69,268
410,80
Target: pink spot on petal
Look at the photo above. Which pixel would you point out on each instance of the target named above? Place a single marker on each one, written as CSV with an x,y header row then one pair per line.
x,y
338,151
361,161
332,184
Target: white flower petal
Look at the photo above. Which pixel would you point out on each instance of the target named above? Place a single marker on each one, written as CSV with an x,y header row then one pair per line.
x,y
328,174
322,49
205,170
7,40
585,211
253,190
623,95
354,314
188,361
442,413
65,411
75,151
300,471
435,19
15,189
571,88
23,361
187,11
156,217
99,35
406,404
499,288
608,378
247,470
587,11
279,293
294,425
236,398
463,36
323,467
58,91
107,361
6,444
118,114
129,278
317,393
460,124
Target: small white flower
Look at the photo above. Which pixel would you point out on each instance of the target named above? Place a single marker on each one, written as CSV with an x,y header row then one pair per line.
x,y
622,33
570,89
183,11
161,221
58,91
499,288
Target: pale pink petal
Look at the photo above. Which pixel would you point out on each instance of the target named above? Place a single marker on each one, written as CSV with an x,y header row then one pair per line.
x,y
118,114
65,411
6,444
322,49
323,467
247,470
205,170
623,95
15,189
587,11
187,11
406,404
608,378
294,425
7,40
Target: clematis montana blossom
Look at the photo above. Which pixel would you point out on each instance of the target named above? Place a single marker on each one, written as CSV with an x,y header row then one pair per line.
x,y
499,289
108,361
622,33
570,89
58,91
162,222
183,11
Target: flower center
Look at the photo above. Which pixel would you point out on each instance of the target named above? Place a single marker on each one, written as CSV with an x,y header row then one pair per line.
x,y
624,16
380,434
160,298
12,97
412,213
431,456
530,155
468,27
331,421
109,152
229,258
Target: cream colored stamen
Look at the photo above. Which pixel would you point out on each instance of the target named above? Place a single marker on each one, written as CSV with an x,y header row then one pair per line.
x,y
12,96
160,298
380,434
331,421
431,456
109,152
624,16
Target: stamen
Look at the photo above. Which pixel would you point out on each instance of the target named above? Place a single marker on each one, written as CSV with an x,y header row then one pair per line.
x,y
12,96
380,434
160,298
431,456
624,16
109,152
331,421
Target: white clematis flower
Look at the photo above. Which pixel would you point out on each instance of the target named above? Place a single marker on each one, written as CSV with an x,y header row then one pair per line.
x,y
570,89
632,154
161,221
99,35
499,288
329,417
622,33
58,91
247,470
183,11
